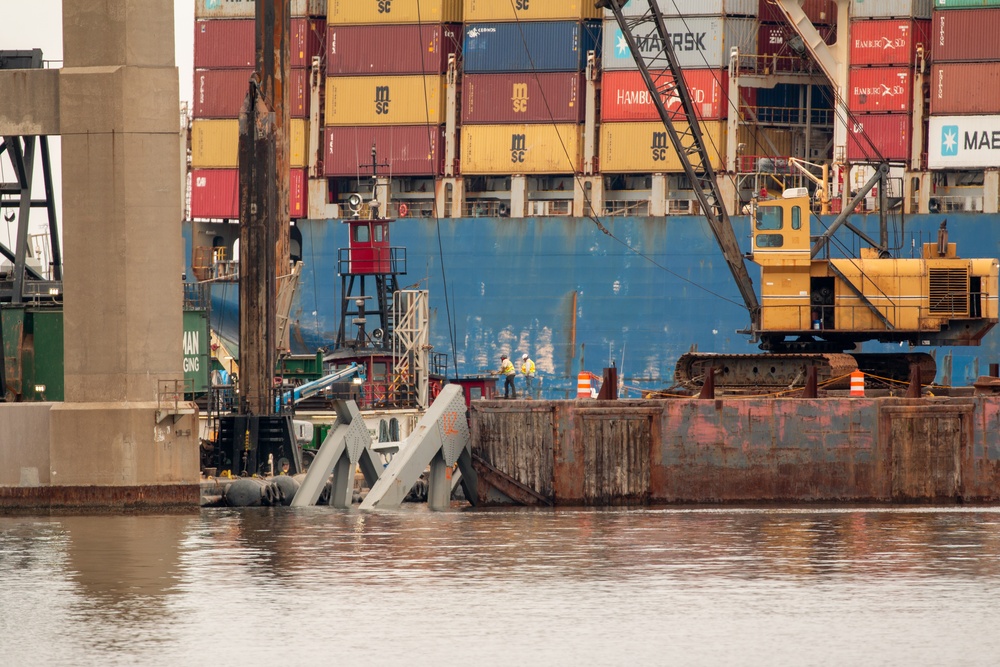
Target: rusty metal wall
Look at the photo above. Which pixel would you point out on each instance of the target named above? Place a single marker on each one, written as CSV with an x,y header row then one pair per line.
x,y
517,441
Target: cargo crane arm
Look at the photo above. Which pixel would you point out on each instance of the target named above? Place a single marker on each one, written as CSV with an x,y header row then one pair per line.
x,y
681,124
310,389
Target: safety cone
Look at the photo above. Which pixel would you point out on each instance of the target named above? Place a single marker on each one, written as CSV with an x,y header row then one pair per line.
x,y
857,384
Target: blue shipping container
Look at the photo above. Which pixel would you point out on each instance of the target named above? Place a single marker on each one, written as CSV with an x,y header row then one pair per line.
x,y
552,46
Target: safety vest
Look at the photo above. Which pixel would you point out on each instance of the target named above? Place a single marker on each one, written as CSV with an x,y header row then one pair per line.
x,y
507,367
528,367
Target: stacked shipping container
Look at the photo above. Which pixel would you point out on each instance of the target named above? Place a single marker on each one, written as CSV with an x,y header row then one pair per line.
x,y
385,85
224,59
778,47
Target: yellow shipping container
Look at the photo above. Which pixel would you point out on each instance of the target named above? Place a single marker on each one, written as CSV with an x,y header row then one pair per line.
x,y
645,147
530,10
362,12
215,144
759,141
385,100
520,149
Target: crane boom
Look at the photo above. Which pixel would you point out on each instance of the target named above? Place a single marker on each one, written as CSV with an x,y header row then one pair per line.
x,y
684,132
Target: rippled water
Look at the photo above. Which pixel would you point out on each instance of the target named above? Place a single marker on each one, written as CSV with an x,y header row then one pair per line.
x,y
562,587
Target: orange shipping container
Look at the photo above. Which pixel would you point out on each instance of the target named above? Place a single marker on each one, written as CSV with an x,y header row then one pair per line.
x,y
384,100
645,147
530,10
520,149
215,143
362,12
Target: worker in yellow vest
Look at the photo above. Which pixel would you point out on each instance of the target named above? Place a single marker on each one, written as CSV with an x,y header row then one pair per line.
x,y
507,370
528,371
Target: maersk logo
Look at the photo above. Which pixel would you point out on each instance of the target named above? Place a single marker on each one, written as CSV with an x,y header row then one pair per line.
x,y
949,140
212,4
621,44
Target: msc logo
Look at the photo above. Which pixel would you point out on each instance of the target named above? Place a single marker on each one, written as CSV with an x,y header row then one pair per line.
x,y
659,147
384,6
521,5
382,100
949,140
519,97
518,148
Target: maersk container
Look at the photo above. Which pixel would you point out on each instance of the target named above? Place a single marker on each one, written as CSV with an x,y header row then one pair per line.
x,y
215,143
645,148
529,10
391,49
364,12
876,9
966,36
243,9
688,8
819,12
963,142
965,88
385,100
215,193
411,150
544,46
880,89
889,42
699,42
888,133
965,4
624,96
219,93
523,97
231,43
520,149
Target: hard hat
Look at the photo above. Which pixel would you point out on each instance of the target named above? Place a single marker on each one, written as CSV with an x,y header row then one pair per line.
x,y
503,356
524,358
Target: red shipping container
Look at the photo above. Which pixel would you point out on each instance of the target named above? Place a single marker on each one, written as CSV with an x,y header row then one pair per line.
x,y
965,88
820,12
889,133
881,89
410,150
966,35
391,49
776,40
231,43
523,97
215,193
219,93
624,96
889,42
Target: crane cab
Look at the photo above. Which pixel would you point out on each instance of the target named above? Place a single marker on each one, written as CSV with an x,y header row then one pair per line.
x,y
369,250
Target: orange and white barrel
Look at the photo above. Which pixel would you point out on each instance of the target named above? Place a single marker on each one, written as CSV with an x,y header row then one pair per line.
x,y
858,384
583,385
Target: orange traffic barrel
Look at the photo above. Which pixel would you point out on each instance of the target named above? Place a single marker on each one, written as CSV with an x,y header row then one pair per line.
x,y
583,385
858,384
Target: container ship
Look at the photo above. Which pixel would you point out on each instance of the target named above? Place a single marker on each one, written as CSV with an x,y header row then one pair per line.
x,y
530,180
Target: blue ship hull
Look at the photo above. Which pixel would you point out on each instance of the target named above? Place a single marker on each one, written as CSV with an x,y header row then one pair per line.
x,y
575,297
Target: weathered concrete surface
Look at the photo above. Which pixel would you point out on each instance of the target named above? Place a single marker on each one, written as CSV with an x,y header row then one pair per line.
x,y
743,450
29,104
24,444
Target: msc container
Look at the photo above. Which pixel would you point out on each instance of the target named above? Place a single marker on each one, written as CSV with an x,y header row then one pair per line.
x,y
243,9
775,41
520,149
889,42
689,8
963,142
889,133
362,12
877,9
965,88
391,49
385,100
966,36
699,42
880,89
819,12
215,193
548,97
644,148
215,143
231,43
546,46
624,96
529,10
410,150
965,4
219,93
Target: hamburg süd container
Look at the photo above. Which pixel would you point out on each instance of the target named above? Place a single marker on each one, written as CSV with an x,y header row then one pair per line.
x,y
246,9
888,133
963,142
219,93
700,42
410,150
215,143
542,46
966,36
391,49
365,12
645,148
819,12
889,42
624,97
875,9
385,100
543,148
523,97
529,10
880,89
215,193
688,8
231,43
965,88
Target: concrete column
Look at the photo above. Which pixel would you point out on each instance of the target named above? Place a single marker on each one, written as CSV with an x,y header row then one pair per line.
x,y
518,195
658,195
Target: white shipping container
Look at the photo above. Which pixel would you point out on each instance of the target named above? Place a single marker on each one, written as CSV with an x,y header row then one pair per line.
x,y
691,8
699,42
880,9
246,9
963,142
